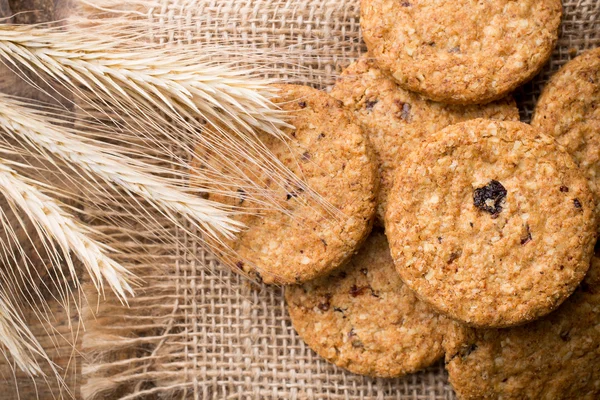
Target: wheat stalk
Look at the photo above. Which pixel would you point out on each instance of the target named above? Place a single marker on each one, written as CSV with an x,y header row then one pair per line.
x,y
53,222
24,124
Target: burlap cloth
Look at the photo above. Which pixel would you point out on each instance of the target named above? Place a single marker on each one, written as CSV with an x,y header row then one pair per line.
x,y
196,330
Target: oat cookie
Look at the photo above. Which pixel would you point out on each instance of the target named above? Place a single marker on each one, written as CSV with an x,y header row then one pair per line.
x,y
306,239
491,222
364,319
463,51
569,109
556,357
396,121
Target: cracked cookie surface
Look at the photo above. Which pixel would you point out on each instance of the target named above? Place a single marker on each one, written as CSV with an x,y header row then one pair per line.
x,y
463,51
491,223
396,121
362,318
305,239
569,110
556,357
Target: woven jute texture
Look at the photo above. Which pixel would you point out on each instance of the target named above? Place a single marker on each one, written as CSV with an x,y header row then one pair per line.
x,y
197,330
201,331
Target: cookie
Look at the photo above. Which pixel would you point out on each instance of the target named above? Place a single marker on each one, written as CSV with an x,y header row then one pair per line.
x,y
491,222
305,239
569,110
556,357
396,121
463,51
364,319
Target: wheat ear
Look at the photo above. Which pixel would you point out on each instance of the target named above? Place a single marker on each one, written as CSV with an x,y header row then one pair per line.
x,y
178,94
25,124
18,340
71,236
177,82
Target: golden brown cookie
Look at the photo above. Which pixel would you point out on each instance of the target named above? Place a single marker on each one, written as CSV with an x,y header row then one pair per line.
x,y
569,110
554,358
306,239
396,121
362,318
461,51
491,222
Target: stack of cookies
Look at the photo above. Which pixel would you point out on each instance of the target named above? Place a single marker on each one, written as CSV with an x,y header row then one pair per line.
x,y
485,227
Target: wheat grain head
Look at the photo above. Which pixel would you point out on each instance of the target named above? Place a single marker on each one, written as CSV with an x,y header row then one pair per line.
x,y
18,340
114,167
71,236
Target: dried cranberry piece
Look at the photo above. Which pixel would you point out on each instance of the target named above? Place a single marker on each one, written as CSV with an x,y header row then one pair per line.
x,y
489,198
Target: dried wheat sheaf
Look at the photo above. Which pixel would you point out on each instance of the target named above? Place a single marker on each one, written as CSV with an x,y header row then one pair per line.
x,y
132,115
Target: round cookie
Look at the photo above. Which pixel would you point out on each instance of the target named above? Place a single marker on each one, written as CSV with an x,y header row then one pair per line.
x,y
396,121
556,357
491,222
464,51
305,239
364,319
569,110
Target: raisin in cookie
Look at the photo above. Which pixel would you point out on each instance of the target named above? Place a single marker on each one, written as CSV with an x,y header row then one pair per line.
x,y
461,51
396,121
556,357
491,222
364,319
305,239
569,110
